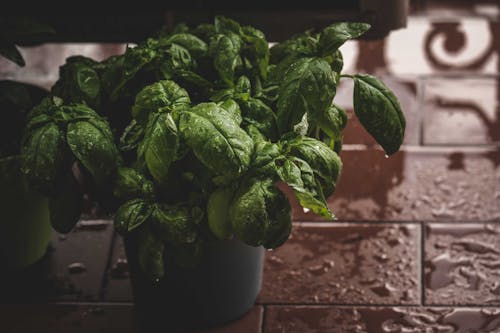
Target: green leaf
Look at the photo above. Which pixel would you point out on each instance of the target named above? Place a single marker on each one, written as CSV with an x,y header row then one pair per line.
x,y
129,183
43,154
263,162
119,73
66,205
233,109
226,25
176,224
78,81
226,54
301,178
379,112
260,214
308,86
324,161
216,139
176,58
193,44
131,137
218,212
332,122
131,215
159,147
243,85
258,49
165,95
92,144
298,46
11,52
151,254
255,112
332,37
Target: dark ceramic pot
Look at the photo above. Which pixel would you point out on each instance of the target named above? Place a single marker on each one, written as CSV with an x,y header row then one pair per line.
x,y
221,288
24,222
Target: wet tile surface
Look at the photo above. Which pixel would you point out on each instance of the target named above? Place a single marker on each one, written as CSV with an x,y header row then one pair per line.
x,y
117,286
324,319
461,111
416,184
59,318
344,263
78,260
462,263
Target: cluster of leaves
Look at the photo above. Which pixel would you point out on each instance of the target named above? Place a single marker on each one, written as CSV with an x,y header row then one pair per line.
x,y
204,122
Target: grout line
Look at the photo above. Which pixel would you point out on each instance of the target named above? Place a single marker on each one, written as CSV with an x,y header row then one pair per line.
x,y
321,223
267,304
421,109
422,263
263,323
382,306
104,280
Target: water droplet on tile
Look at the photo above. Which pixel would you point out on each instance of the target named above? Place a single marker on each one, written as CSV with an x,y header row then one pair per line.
x,y
92,225
76,268
383,290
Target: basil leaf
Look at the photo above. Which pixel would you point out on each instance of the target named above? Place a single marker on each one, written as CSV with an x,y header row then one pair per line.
x,y
43,157
308,86
324,161
258,49
131,215
332,122
163,94
300,45
131,137
264,157
216,139
11,52
233,110
243,85
255,112
226,25
226,54
218,212
176,58
176,224
129,183
379,112
260,214
92,144
301,178
159,147
193,44
332,37
120,72
65,206
151,254
78,81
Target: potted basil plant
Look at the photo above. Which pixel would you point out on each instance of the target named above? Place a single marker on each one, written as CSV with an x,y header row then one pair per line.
x,y
184,139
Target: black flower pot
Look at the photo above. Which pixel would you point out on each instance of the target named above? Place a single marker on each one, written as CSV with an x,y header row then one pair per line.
x,y
221,288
